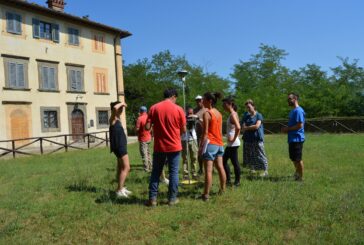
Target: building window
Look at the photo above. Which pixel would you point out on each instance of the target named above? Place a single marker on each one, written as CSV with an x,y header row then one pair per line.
x,y
50,119
103,118
102,114
73,36
16,73
99,43
101,81
48,76
45,30
13,23
75,79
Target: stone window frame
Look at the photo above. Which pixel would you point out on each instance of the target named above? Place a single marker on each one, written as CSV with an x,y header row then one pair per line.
x,y
75,67
50,108
49,64
98,125
4,31
18,60
76,38
15,21
98,42
104,72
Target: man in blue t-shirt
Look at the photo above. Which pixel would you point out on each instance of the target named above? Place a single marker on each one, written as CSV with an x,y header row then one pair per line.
x,y
296,134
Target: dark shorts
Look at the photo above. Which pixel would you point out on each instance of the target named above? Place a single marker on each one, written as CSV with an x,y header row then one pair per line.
x,y
295,151
122,150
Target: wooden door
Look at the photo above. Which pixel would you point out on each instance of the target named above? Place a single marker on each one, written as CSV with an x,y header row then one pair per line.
x,y
78,124
19,126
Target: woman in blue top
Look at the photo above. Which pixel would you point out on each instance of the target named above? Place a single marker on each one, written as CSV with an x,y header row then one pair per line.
x,y
253,135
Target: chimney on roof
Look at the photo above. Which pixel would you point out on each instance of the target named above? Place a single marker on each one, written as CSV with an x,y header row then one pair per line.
x,y
57,5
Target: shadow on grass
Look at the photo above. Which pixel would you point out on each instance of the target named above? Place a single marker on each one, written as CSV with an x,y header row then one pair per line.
x,y
137,167
270,178
110,197
80,187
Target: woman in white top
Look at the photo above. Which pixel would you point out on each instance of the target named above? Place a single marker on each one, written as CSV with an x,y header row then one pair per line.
x,y
233,142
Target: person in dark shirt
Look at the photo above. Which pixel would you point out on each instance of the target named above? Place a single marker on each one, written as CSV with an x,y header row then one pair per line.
x,y
253,135
118,145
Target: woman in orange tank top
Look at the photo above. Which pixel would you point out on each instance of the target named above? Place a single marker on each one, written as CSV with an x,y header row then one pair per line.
x,y
211,147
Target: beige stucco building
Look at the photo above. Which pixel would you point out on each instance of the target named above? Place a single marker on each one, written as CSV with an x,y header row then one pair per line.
x,y
58,72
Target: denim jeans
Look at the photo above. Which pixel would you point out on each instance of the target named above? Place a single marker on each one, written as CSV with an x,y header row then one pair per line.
x,y
159,159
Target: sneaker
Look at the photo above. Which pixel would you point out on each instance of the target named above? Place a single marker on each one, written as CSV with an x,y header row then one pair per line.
x,y
296,176
121,193
252,172
264,174
173,202
127,192
237,183
205,197
151,203
221,192
165,181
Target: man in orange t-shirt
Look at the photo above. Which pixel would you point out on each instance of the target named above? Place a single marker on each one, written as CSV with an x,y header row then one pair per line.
x,y
144,138
169,122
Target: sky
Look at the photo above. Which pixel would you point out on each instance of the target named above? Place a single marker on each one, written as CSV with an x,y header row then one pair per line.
x,y
217,34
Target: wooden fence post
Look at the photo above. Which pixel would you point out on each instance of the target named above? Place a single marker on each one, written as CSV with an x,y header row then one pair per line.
x,y
107,139
13,146
41,145
65,143
88,141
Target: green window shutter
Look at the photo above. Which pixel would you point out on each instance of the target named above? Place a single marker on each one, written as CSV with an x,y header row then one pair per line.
x,y
45,77
12,74
76,37
18,20
55,33
73,80
20,75
52,77
79,80
36,30
70,35
10,22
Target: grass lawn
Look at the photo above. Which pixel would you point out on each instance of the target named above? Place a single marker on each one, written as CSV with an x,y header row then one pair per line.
x,y
68,198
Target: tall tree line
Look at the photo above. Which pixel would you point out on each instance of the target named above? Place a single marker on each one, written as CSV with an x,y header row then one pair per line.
x,y
263,78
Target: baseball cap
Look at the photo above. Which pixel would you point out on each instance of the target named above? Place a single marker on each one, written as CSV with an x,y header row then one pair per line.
x,y
198,97
143,109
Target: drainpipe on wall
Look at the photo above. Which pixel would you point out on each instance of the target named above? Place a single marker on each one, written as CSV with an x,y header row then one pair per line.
x,y
119,78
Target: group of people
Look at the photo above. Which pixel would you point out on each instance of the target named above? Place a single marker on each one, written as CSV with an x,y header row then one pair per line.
x,y
199,132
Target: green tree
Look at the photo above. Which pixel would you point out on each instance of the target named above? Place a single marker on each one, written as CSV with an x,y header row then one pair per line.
x,y
348,81
315,90
146,80
264,79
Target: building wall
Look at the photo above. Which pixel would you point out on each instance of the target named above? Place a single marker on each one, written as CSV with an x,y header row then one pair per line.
x,y
25,45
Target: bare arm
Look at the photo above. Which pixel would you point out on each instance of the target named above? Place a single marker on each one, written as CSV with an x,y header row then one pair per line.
x,y
183,129
292,128
252,127
206,121
121,104
234,120
148,126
